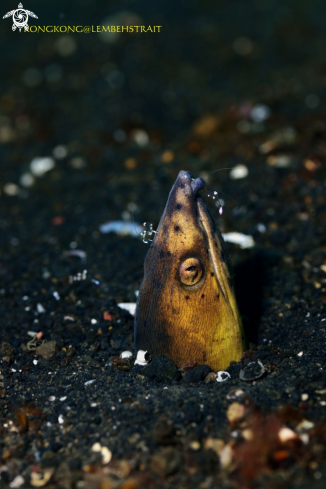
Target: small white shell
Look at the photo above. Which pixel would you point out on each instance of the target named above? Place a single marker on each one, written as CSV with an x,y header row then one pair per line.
x,y
126,354
142,358
128,306
223,376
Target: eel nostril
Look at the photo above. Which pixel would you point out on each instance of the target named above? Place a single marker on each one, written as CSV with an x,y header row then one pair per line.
x,y
197,184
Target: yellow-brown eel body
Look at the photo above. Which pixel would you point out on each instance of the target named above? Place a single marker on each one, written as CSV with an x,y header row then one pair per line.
x,y
186,306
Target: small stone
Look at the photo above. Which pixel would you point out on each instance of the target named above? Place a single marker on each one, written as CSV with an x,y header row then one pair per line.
x,y
247,434
305,425
106,455
195,445
239,171
162,369
235,411
280,160
197,374
40,309
211,377
47,350
252,371
286,434
6,352
226,456
166,462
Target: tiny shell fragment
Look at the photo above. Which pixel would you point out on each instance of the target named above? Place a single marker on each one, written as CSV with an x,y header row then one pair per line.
x,y
143,358
126,354
128,306
252,371
222,376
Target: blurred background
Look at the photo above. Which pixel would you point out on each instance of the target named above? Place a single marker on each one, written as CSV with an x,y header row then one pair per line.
x,y
95,127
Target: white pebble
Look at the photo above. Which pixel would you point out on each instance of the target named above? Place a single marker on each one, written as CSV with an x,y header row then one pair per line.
x,y
122,228
11,189
260,113
41,165
32,333
17,482
60,152
239,171
60,419
285,434
126,354
52,398
243,240
261,228
35,362
300,354
140,137
96,447
26,180
56,295
40,308
93,321
304,437
63,398
305,424
89,382
106,455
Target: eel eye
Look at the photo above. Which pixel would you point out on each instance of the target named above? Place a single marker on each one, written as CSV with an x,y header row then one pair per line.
x,y
191,271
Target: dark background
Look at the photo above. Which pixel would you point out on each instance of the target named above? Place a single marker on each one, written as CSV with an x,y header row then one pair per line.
x,y
211,61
